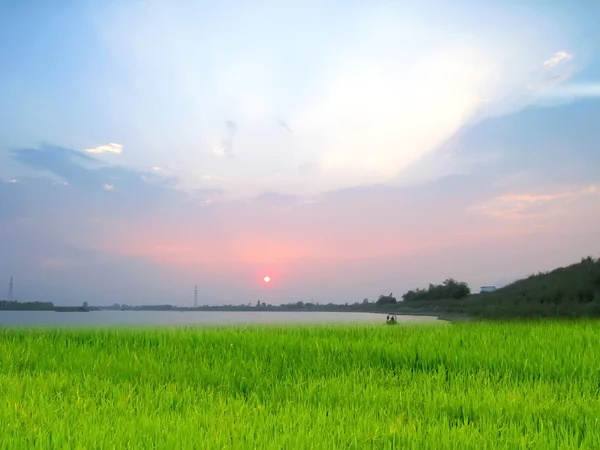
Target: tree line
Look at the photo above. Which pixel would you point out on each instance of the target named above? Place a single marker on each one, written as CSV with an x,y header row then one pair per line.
x,y
567,291
449,289
571,291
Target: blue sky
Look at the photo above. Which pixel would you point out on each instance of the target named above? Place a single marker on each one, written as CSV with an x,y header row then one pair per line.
x,y
344,148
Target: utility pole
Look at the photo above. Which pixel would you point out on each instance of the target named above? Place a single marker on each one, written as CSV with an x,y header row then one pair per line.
x,y
196,296
10,290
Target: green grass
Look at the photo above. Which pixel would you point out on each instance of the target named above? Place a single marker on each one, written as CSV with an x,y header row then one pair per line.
x,y
466,386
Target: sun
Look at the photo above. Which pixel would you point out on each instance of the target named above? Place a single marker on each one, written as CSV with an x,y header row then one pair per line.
x,y
267,279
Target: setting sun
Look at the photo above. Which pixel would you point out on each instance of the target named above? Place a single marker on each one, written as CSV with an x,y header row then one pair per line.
x,y
267,279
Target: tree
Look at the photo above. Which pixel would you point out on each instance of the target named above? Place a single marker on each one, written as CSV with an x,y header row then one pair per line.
x,y
366,301
386,299
449,289
85,304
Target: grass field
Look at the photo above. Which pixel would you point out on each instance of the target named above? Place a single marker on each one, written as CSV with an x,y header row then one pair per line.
x,y
465,386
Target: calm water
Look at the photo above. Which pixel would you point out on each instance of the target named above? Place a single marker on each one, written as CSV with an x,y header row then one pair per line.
x,y
171,318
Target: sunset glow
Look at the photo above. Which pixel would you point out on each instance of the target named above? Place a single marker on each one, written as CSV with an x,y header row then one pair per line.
x,y
411,145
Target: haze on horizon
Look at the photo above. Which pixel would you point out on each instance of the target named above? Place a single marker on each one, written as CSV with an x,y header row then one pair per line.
x,y
345,149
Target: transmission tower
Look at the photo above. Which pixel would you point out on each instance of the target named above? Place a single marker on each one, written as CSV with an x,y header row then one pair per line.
x,y
195,296
10,290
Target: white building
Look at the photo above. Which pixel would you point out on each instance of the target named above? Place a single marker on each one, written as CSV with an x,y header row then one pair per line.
x,y
488,289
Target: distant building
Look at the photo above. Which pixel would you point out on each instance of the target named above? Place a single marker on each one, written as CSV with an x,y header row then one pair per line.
x,y
488,289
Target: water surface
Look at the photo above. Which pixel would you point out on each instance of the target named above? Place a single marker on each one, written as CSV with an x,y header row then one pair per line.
x,y
175,318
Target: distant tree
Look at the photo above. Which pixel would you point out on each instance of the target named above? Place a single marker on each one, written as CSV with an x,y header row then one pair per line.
x,y
85,304
258,304
409,296
449,289
386,299
32,306
365,301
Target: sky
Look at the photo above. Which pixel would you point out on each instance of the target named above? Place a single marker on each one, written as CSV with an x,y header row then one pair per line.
x,y
346,149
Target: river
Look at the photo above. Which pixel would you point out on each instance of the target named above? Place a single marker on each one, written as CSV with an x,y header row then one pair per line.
x,y
189,318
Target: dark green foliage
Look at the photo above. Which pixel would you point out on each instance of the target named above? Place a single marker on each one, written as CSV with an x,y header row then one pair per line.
x,y
386,300
572,291
25,306
567,289
448,289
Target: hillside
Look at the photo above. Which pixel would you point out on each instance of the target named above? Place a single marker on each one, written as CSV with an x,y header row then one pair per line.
x,y
570,291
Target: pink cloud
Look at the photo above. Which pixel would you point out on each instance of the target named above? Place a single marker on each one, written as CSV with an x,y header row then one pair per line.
x,y
532,205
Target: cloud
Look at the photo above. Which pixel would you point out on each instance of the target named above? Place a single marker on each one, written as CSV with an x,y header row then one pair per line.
x,y
225,147
558,58
62,162
81,173
528,205
392,86
308,167
231,127
284,125
551,78
512,179
378,100
153,241
552,88
212,177
109,148
522,152
573,91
